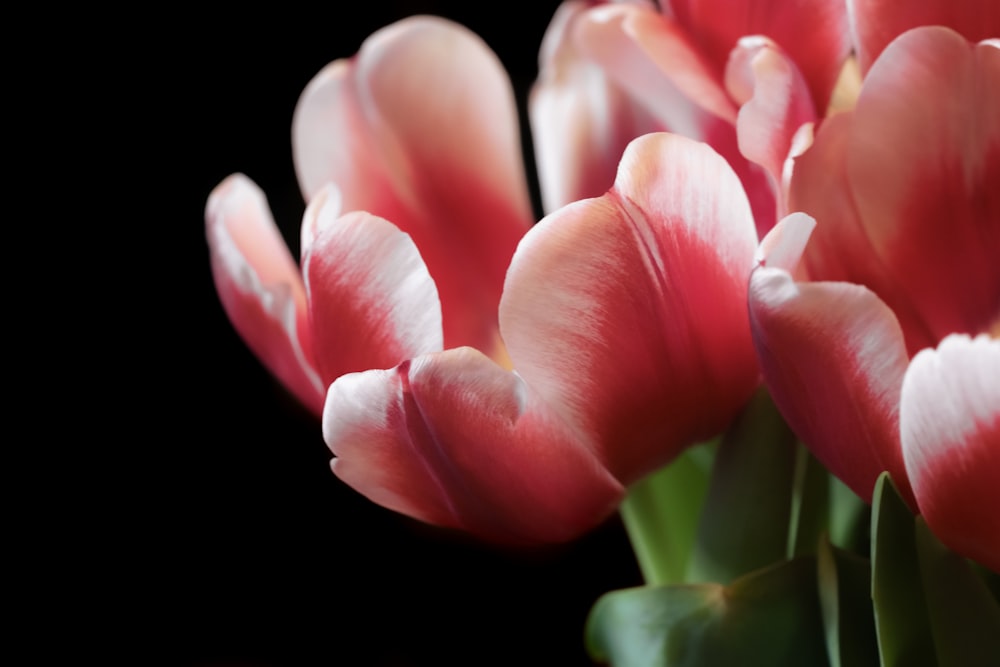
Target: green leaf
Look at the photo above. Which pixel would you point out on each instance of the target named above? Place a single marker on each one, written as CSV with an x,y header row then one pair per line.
x,y
744,523
845,599
768,618
850,519
660,514
964,616
901,621
810,504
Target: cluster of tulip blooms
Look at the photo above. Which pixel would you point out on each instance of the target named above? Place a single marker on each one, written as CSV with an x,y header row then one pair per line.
x,y
760,317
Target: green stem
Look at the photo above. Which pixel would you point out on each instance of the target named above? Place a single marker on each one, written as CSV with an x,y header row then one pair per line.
x,y
661,515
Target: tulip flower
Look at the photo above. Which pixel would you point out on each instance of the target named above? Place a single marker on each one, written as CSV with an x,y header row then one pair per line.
x,y
701,69
834,358
625,320
419,132
916,221
885,361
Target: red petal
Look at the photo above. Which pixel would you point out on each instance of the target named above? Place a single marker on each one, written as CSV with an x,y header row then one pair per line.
x,y
581,120
775,104
260,287
875,23
628,313
950,428
655,61
840,248
925,176
455,440
372,303
420,128
813,32
833,358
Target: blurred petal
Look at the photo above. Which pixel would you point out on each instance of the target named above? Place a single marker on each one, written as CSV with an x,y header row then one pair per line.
x,y
627,313
260,287
833,358
455,440
813,32
775,104
653,59
581,120
332,207
372,303
875,23
420,128
925,176
950,429
656,62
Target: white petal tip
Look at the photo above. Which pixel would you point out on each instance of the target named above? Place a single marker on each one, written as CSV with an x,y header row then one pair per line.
x,y
228,195
323,210
783,246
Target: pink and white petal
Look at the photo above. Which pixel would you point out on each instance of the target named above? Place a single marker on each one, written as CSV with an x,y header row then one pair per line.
x,y
840,248
365,424
652,58
784,245
833,358
372,303
260,287
655,61
775,103
627,313
421,128
924,176
581,120
455,440
950,429
875,23
814,33
332,142
330,208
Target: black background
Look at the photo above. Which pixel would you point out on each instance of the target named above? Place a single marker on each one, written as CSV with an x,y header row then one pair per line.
x,y
235,544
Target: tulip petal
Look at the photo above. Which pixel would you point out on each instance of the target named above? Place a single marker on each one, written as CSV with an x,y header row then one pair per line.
x,y
813,32
372,303
840,249
260,287
925,176
875,23
581,120
950,430
833,357
455,440
783,247
420,128
627,313
775,104
655,61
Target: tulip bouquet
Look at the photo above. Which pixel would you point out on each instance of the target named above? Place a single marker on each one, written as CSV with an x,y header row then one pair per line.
x,y
759,317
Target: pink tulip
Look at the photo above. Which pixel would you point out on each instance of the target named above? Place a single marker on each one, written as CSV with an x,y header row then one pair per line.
x,y
885,361
625,320
420,129
906,193
703,70
835,361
